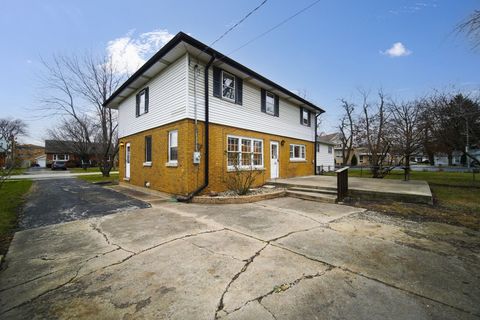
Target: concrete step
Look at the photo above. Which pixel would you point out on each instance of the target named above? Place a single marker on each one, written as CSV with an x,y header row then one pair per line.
x,y
306,189
312,196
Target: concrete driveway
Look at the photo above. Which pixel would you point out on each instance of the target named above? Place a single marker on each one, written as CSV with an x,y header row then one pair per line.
x,y
62,200
276,259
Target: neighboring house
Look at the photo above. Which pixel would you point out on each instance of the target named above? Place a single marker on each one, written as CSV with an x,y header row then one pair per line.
x,y
325,155
41,161
189,112
335,138
27,153
57,150
441,159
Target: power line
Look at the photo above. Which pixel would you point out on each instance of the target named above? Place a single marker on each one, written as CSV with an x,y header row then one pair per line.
x,y
235,25
275,26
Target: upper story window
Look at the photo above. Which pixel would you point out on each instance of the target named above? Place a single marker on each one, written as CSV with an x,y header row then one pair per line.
x,y
228,86
270,102
142,102
297,152
330,149
305,117
173,147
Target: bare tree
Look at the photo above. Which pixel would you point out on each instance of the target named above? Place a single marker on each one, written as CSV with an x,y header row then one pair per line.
x,y
373,133
78,89
242,177
471,27
10,130
347,130
405,129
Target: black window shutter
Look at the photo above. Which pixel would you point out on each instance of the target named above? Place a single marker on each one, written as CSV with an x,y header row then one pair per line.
x,y
277,106
137,105
146,99
239,91
263,98
217,74
309,114
301,115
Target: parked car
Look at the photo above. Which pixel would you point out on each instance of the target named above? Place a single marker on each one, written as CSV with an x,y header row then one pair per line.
x,y
62,165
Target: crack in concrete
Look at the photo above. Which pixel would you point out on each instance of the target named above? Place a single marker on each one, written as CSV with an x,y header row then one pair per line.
x,y
220,305
282,288
268,310
376,280
212,251
97,229
105,267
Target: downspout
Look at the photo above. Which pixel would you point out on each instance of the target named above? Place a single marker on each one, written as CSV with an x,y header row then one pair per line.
x,y
207,135
315,148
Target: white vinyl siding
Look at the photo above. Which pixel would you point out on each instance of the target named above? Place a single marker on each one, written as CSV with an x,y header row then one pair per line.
x,y
167,101
248,115
324,158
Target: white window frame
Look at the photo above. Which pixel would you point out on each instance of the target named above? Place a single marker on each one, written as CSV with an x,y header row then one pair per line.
x,y
66,157
142,110
305,115
267,94
234,86
170,146
302,152
251,153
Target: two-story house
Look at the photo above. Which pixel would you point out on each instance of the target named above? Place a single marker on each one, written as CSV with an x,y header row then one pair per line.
x,y
190,116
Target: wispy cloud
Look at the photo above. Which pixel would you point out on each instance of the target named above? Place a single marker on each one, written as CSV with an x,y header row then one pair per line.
x,y
130,52
398,49
414,7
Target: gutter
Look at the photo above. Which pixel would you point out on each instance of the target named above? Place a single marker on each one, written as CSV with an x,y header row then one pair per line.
x,y
207,136
315,148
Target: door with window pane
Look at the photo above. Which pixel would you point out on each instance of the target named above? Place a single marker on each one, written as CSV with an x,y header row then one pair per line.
x,y
274,165
127,161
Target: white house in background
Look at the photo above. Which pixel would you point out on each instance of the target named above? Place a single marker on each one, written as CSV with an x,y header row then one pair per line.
x,y
325,155
442,159
41,161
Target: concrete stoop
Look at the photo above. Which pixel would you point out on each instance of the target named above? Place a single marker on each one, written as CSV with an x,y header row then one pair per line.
x,y
318,195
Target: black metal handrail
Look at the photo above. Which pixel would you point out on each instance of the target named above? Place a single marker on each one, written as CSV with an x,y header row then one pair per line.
x,y
342,183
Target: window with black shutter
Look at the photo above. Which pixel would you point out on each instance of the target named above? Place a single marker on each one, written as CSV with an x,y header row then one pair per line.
x,y
269,102
227,86
141,102
305,117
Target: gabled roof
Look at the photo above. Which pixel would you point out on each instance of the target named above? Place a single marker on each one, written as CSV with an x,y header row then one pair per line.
x,y
57,146
328,138
176,47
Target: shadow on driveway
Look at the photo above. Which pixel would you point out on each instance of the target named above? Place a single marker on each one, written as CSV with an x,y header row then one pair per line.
x,y
62,200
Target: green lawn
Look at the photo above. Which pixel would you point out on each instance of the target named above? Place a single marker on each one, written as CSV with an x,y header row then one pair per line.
x,y
11,199
456,197
81,170
18,171
99,178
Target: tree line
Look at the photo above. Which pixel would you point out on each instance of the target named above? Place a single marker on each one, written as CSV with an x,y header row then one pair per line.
x,y
392,131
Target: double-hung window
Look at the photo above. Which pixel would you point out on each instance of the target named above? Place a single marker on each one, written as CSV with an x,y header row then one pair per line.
x,y
228,86
142,102
148,150
305,117
297,152
173,147
330,149
244,153
269,103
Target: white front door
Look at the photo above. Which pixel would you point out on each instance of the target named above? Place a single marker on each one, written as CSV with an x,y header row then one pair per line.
x,y
274,166
127,161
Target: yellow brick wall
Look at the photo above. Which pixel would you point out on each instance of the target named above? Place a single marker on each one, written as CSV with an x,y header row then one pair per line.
x,y
187,177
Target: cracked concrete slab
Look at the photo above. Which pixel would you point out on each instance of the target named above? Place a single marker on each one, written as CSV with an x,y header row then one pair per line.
x,y
343,295
274,270
444,279
318,211
269,260
256,221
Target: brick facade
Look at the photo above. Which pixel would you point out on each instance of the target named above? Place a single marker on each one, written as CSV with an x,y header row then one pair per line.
x,y
187,177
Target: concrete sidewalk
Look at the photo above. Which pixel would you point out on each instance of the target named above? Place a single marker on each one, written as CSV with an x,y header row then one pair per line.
x,y
277,259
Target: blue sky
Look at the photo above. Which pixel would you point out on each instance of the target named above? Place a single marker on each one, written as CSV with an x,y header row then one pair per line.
x,y
329,51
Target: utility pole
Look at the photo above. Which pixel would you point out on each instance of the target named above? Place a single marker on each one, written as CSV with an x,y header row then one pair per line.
x,y
466,147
